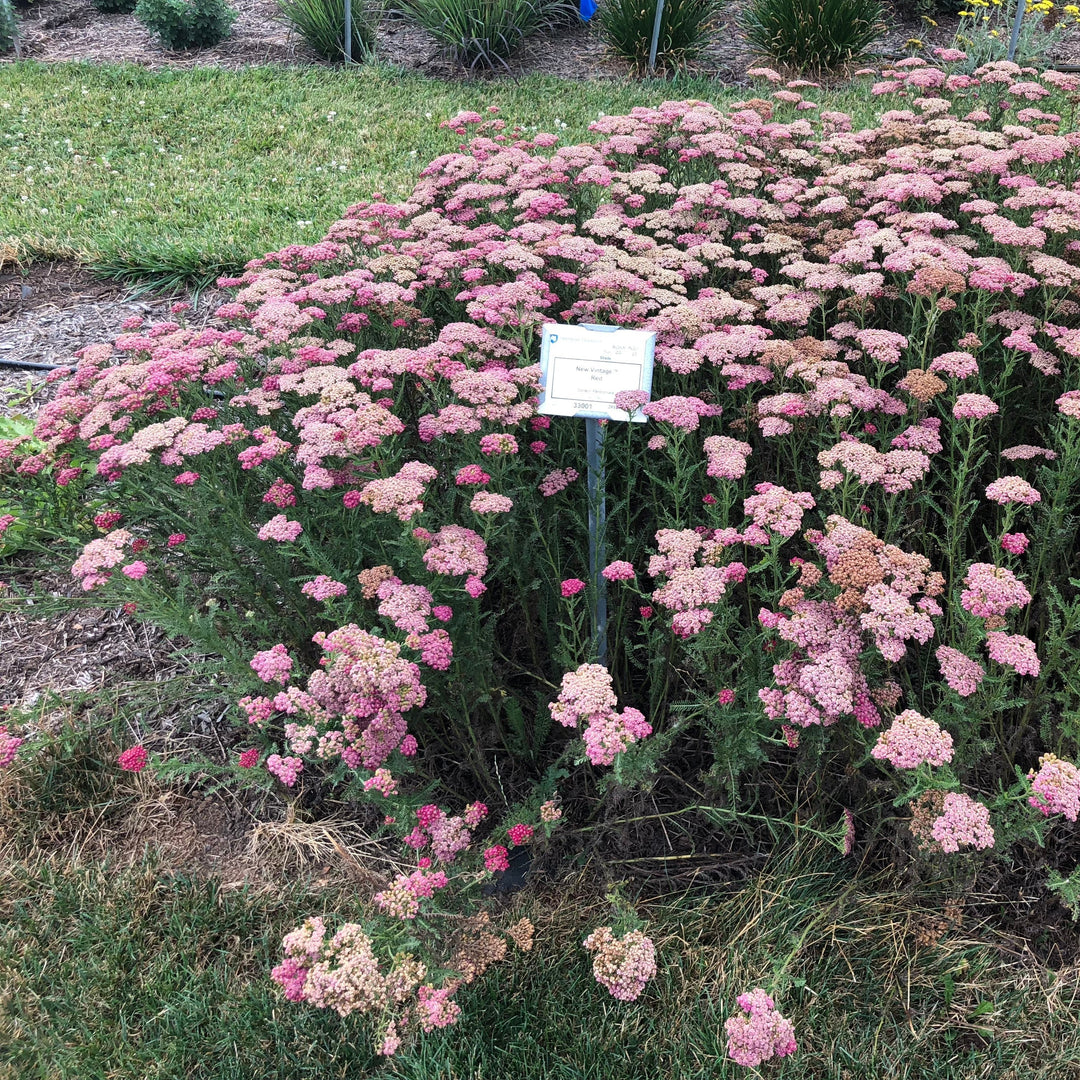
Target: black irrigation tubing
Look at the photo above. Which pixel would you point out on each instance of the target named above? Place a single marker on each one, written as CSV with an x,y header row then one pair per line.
x,y
29,365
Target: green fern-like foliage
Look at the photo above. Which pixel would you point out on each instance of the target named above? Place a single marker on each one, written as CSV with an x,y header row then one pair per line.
x,y
812,35
186,24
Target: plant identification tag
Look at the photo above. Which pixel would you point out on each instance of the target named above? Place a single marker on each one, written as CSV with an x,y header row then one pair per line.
x,y
583,368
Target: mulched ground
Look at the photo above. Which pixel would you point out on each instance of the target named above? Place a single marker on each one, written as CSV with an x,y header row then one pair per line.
x,y
59,30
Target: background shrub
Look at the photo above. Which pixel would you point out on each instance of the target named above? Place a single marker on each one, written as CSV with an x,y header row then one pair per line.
x,y
483,33
627,25
9,26
812,34
320,23
183,25
116,7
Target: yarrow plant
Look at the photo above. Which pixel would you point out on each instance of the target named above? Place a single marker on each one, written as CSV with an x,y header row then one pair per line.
x,y
841,530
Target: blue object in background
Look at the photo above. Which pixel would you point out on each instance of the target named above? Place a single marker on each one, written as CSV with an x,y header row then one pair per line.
x,y
587,9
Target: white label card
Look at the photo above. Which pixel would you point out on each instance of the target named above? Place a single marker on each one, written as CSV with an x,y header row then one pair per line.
x,y
582,368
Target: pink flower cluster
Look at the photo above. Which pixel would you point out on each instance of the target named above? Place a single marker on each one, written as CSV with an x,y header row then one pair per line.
x,y
992,590
961,672
726,457
759,1032
99,556
1056,787
913,740
1014,651
342,973
1012,489
9,746
963,822
623,966
286,769
324,588
778,510
133,759
586,697
273,665
402,899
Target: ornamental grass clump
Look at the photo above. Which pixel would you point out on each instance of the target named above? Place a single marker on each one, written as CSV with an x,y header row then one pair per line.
x,y
685,27
842,567
321,23
484,33
813,35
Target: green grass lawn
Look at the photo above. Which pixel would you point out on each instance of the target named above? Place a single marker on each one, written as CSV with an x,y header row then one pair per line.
x,y
188,174
195,172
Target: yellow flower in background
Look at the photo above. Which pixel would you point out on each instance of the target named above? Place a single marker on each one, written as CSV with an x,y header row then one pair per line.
x,y
930,22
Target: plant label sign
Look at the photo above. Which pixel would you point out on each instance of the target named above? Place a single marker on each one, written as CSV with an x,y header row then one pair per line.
x,y
582,368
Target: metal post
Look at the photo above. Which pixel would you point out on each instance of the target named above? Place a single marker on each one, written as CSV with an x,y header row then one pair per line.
x,y
1021,7
348,31
656,34
594,445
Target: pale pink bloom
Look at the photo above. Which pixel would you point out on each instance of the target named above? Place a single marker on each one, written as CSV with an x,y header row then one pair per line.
x,y
1013,650
961,672
282,530
1012,489
974,407
487,502
1069,404
135,570
992,590
1056,787
912,740
624,965
323,588
620,570
759,1032
963,823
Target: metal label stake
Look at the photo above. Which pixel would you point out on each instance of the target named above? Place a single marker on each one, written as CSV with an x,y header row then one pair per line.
x,y
594,450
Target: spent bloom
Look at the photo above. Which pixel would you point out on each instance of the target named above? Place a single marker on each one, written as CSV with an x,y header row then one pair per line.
x,y
622,965
133,759
759,1032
